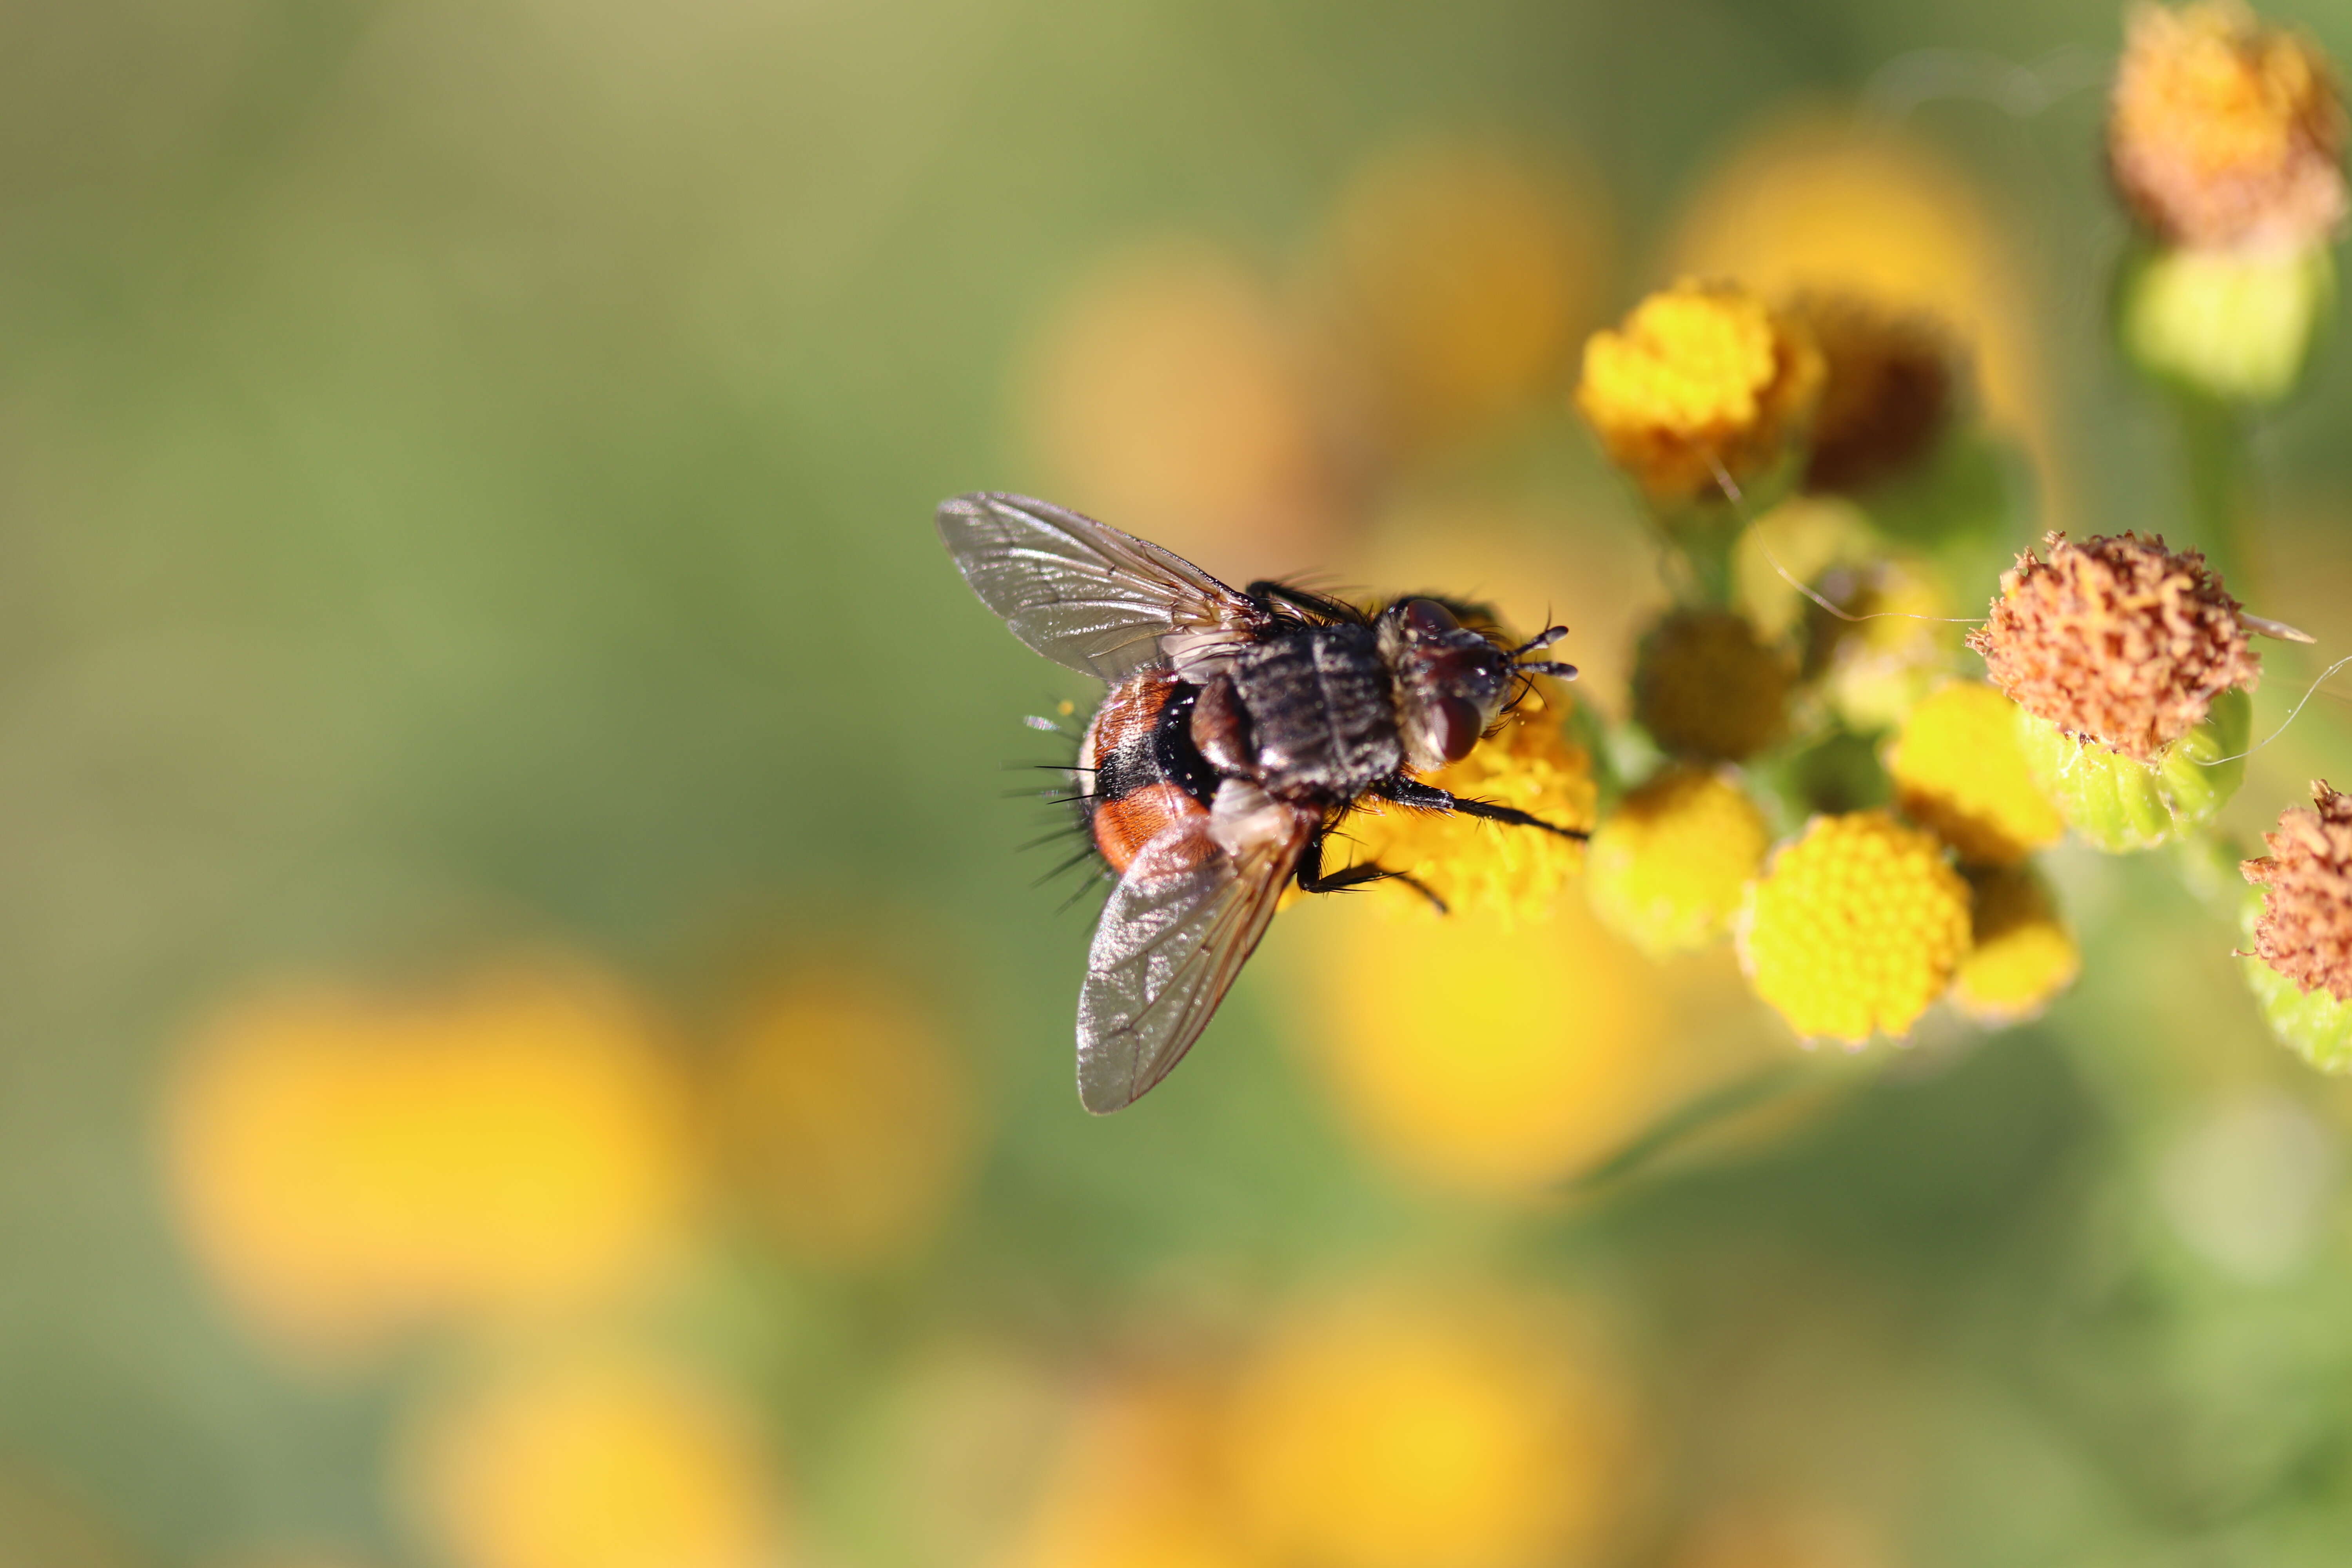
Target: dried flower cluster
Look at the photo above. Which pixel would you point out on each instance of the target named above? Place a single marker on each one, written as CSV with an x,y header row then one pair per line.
x,y
2115,640
2305,931
2225,133
1891,380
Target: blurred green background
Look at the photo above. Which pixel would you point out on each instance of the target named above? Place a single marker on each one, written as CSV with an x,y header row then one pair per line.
x,y
525,1041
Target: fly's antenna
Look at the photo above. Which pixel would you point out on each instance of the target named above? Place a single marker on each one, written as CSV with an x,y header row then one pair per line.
x,y
1552,667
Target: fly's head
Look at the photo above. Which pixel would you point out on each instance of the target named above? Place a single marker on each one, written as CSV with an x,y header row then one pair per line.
x,y
1451,681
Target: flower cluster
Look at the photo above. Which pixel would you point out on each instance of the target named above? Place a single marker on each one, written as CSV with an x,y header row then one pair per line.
x,y
1809,767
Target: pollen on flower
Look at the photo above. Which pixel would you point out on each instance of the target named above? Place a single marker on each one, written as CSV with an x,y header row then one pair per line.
x,y
1701,375
1959,770
2305,931
1528,763
1706,686
2225,133
1855,927
1891,378
2021,956
2115,640
1668,869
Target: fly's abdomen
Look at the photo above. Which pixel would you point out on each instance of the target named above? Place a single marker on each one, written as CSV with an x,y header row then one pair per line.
x,y
1139,772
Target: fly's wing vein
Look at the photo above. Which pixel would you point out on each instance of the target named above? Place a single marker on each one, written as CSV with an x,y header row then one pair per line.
x,y
1084,594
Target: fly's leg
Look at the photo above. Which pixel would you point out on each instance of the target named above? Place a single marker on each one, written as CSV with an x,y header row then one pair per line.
x,y
1428,797
1312,879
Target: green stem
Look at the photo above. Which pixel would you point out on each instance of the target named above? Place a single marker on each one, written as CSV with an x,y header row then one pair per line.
x,y
2217,465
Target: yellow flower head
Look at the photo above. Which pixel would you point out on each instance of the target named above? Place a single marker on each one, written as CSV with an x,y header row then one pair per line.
x,y
1893,377
1528,763
1855,927
1397,1434
1706,687
2225,133
1959,769
1459,276
1701,375
352,1163
1489,1060
602,1460
1891,647
1668,867
847,1117
2022,954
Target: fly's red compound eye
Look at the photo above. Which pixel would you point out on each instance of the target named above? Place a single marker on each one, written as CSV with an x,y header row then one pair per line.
x,y
1428,618
1459,726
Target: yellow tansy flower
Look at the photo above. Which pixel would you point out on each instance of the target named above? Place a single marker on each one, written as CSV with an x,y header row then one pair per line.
x,y
595,1460
1707,686
1530,763
1667,871
1855,927
1380,1433
2022,954
1959,769
847,1117
351,1164
1701,375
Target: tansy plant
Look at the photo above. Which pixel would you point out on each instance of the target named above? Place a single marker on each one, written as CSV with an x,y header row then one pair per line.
x,y
1853,788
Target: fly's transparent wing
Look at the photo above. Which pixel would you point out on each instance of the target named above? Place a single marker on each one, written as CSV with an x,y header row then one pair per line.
x,y
1173,934
1085,594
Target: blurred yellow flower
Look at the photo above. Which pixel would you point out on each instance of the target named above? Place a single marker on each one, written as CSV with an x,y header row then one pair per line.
x,y
1895,642
1707,686
1480,1054
1701,377
350,1162
2020,955
1457,277
1136,1483
1959,769
595,1460
1824,202
1167,397
1485,866
1668,869
1855,927
1389,1434
2226,134
1798,542
846,1116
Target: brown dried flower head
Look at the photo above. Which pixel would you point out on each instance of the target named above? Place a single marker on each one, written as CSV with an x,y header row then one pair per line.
x,y
2115,640
2225,133
2305,931
1894,377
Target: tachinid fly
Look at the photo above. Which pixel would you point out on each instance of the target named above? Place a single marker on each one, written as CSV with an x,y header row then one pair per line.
x,y
1240,729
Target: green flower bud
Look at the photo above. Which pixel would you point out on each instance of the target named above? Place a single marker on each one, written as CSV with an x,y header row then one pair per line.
x,y
2233,326
2120,804
2313,1024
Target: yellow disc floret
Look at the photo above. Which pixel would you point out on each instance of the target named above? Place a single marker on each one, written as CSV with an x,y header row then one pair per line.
x,y
1855,927
1701,376
1668,869
1528,763
2023,955
1959,769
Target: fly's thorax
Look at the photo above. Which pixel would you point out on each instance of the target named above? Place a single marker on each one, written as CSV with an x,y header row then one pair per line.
x,y
1449,681
1320,713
